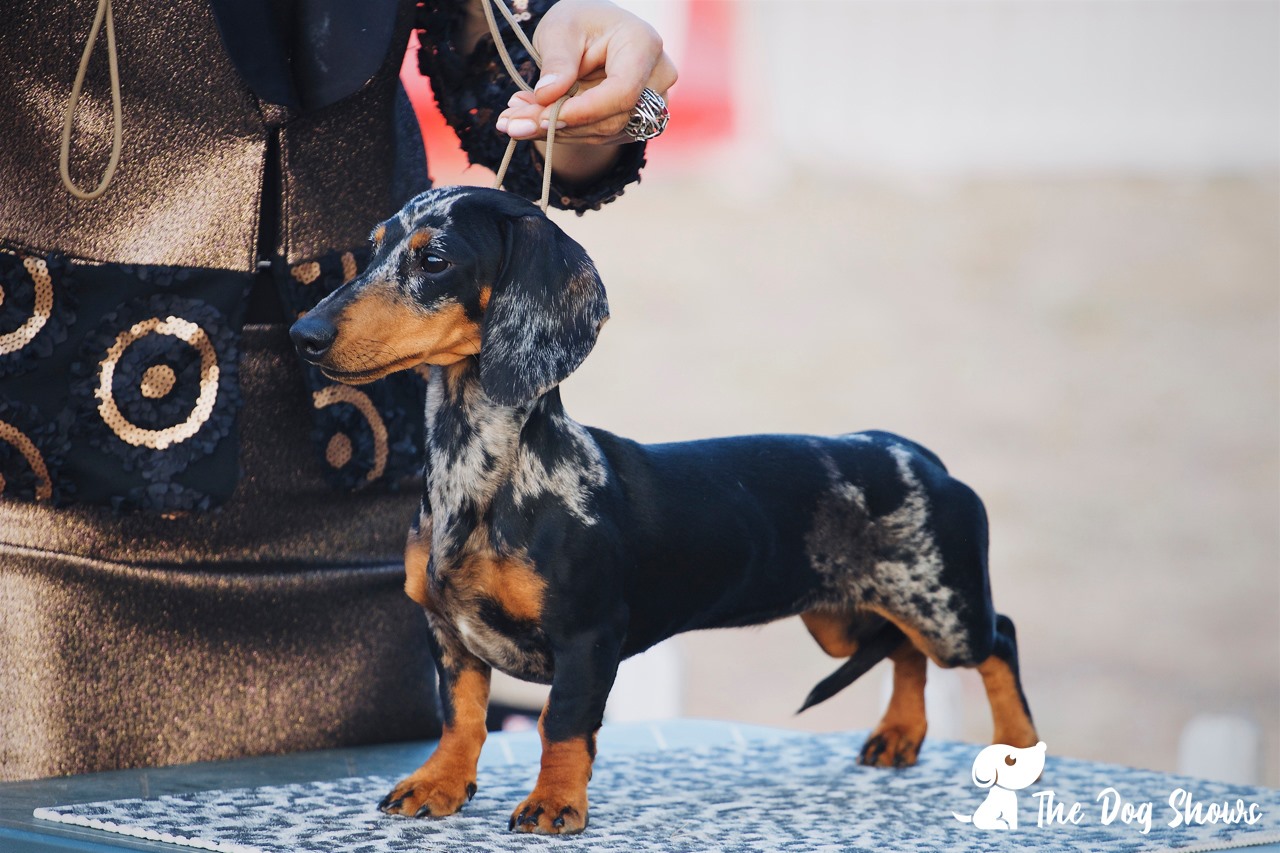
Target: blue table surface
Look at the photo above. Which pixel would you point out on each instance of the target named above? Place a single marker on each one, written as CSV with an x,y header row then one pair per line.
x,y
20,832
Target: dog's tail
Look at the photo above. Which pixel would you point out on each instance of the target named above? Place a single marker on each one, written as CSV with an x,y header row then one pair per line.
x,y
870,652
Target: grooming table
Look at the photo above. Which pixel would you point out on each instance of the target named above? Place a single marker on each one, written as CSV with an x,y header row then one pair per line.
x,y
672,786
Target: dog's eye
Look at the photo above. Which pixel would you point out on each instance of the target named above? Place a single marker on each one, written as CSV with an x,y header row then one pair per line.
x,y
434,264
1010,760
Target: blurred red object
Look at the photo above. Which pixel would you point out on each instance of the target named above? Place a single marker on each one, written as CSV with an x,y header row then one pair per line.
x,y
445,158
702,108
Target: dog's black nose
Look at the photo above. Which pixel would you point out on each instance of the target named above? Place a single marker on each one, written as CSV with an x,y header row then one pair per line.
x,y
313,336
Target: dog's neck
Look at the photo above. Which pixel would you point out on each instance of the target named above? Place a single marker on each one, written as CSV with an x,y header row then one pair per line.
x,y
476,446
472,442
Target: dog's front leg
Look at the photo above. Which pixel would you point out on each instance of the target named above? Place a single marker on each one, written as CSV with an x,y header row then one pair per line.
x,y
584,673
448,778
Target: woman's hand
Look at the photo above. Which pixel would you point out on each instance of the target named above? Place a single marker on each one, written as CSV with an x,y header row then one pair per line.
x,y
612,54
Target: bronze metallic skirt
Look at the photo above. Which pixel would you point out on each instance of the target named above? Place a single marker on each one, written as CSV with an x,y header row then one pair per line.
x,y
276,623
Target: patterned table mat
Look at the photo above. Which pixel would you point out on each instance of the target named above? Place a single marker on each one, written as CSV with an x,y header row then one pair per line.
x,y
804,793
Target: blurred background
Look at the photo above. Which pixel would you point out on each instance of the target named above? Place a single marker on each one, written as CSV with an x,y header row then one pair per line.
x,y
1042,239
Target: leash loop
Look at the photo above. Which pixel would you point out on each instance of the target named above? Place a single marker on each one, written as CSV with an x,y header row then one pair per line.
x,y
510,65
117,132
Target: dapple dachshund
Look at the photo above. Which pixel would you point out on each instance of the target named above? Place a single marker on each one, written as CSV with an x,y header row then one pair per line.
x,y
552,551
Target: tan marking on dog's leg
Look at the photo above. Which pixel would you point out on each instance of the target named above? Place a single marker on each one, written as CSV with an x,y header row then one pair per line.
x,y
417,554
831,629
1013,726
558,804
896,740
520,589
448,778
486,293
510,581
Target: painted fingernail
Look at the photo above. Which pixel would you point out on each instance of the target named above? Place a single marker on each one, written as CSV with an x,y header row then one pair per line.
x,y
560,125
521,127
546,80
501,124
515,99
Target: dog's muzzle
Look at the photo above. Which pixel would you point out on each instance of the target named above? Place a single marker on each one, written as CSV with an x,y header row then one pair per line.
x,y
313,336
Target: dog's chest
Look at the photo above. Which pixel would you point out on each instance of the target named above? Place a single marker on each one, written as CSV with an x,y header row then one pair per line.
x,y
494,607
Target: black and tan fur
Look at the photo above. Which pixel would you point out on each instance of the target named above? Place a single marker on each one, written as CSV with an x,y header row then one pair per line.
x,y
552,551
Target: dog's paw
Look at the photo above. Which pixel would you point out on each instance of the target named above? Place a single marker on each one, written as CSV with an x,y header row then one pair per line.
x,y
547,813
421,795
891,746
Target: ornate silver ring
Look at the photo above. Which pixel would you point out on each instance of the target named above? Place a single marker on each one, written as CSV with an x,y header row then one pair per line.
x,y
649,118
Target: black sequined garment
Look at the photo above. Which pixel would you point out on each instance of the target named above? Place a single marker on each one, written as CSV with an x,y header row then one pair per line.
x,y
102,400
172,590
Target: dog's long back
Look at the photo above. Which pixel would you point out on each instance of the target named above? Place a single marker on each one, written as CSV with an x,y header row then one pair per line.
x,y
738,531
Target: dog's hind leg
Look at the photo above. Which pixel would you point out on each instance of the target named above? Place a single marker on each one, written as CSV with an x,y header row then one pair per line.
x,y
833,630
1009,710
896,740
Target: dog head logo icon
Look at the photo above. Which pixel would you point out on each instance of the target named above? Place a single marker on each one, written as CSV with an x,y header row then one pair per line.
x,y
1005,770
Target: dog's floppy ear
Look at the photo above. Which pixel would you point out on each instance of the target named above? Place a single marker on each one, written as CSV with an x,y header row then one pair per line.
x,y
986,767
546,308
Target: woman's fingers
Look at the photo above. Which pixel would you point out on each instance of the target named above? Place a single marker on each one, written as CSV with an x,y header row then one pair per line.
x,y
610,53
527,119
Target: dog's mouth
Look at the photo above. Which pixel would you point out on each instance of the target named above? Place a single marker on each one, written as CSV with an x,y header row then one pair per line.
x,y
358,377
361,377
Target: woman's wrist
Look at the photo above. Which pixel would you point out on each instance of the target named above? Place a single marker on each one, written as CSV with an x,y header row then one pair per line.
x,y
577,165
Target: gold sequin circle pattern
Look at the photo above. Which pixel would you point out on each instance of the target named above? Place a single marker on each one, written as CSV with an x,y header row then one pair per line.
x,y
12,435
339,450
158,381
331,394
306,273
349,270
26,333
159,439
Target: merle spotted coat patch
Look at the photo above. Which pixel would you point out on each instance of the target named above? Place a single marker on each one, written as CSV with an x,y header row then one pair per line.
x,y
552,551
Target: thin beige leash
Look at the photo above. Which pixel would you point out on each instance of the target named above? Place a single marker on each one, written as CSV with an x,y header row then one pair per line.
x,y
515,75
117,134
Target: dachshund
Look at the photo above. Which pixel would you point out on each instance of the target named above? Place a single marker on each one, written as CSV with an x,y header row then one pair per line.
x,y
552,550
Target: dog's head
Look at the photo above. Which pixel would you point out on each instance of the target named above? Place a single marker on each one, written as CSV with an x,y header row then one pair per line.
x,y
462,272
1008,767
